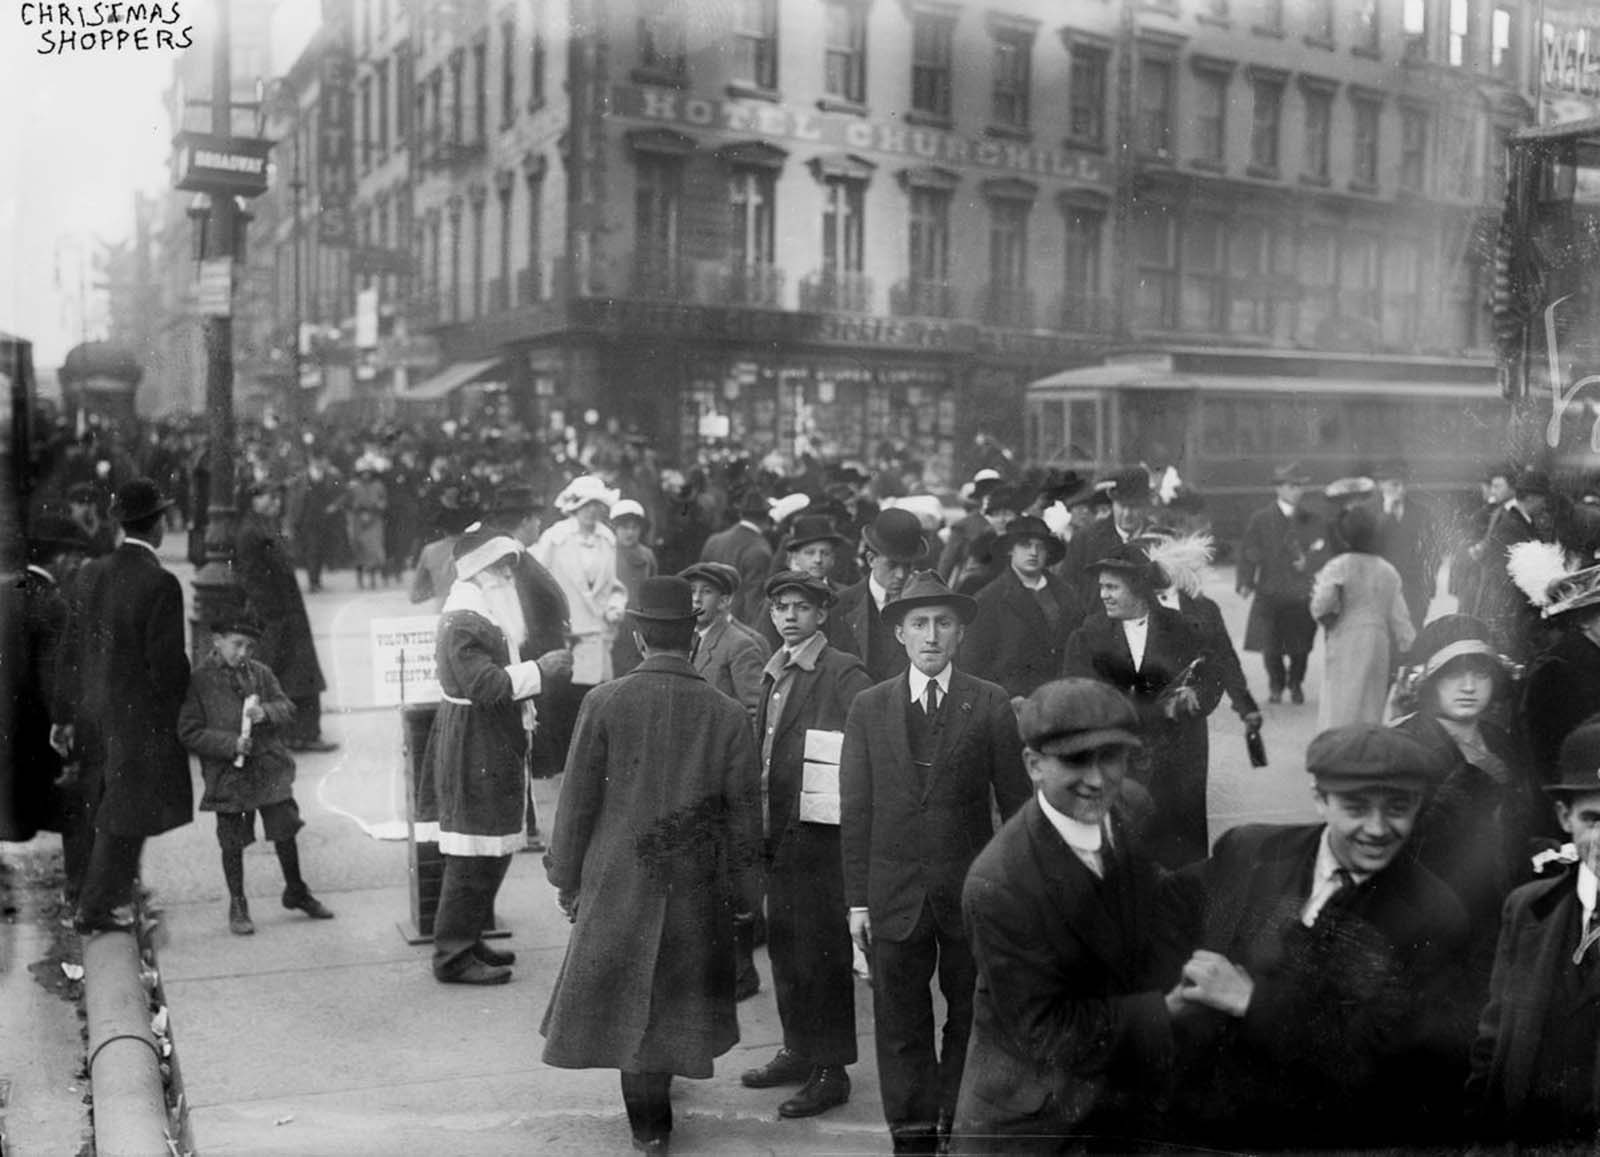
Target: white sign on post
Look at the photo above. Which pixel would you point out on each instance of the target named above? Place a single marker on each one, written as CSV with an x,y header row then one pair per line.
x,y
402,661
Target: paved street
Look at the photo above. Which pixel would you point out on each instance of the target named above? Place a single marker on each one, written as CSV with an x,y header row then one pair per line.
x,y
320,1038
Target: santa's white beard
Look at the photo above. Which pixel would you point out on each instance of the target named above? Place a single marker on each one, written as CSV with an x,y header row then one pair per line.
x,y
505,608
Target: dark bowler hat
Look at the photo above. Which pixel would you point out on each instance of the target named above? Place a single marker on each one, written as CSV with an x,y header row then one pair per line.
x,y
138,500
514,498
238,623
809,528
1071,715
56,532
755,504
719,574
896,534
1290,475
794,580
927,589
1086,493
1026,527
1368,755
1130,486
664,599
1579,762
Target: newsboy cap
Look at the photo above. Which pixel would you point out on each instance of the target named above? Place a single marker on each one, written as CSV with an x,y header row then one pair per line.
x,y
718,574
1072,715
793,580
1368,755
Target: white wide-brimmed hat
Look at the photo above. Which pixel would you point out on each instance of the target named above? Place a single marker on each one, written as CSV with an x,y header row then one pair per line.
x,y
584,490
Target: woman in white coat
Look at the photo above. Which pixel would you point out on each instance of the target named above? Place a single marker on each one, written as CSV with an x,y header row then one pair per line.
x,y
1357,598
580,552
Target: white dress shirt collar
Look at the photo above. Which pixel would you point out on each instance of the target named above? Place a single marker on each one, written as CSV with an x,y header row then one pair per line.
x,y
919,683
1287,508
129,539
1588,884
1087,841
1137,633
1325,880
880,594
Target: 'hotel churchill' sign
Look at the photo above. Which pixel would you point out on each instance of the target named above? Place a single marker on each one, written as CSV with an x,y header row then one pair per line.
x,y
839,131
209,164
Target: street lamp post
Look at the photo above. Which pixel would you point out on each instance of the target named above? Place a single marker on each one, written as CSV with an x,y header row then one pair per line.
x,y
216,589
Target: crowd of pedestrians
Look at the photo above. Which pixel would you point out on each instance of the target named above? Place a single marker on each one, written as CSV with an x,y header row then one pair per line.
x,y
935,740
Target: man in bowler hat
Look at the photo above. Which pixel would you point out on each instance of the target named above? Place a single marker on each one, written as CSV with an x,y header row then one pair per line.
x,y
1282,548
123,669
891,545
927,756
1025,616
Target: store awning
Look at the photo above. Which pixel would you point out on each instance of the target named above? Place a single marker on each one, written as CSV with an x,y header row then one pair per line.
x,y
449,380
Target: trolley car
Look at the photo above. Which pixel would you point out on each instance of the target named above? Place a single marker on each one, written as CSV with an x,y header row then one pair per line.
x,y
1224,418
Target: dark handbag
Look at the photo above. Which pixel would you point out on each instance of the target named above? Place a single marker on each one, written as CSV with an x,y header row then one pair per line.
x,y
1256,748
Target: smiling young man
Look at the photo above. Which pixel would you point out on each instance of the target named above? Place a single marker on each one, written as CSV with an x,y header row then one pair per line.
x,y
924,755
1323,1004
1071,1028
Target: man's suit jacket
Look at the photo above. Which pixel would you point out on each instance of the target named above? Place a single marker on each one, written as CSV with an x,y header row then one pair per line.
x,y
907,839
730,657
122,666
1411,545
855,614
747,550
818,699
1358,1029
1070,1031
1537,932
1272,546
1010,642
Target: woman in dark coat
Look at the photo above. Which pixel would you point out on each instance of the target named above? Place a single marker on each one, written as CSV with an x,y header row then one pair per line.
x,y
1171,686
1474,831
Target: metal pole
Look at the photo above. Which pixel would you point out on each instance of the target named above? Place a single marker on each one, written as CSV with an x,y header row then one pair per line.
x,y
216,591
296,187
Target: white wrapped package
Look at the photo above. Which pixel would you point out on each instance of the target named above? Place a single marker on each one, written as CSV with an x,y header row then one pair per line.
x,y
819,807
824,746
820,777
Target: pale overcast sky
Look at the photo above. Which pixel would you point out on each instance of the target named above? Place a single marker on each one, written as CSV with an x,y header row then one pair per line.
x,y
81,133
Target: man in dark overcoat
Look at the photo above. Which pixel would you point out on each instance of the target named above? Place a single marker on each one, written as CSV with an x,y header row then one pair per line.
x,y
1326,1005
315,502
744,546
1125,497
1408,536
928,755
806,690
1534,1063
1526,518
1026,615
265,569
1282,547
647,857
123,666
1071,1025
1562,686
891,545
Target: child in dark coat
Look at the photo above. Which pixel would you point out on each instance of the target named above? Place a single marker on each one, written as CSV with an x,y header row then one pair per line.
x,y
234,719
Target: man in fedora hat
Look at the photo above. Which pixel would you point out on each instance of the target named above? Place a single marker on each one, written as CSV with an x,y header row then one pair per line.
x,y
1282,548
1025,616
262,560
891,546
1534,1078
927,755
645,856
1322,1002
122,675
1071,1027
744,547
806,691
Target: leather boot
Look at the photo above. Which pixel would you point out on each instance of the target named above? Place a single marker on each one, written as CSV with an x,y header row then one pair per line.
x,y
239,917
786,1068
828,1087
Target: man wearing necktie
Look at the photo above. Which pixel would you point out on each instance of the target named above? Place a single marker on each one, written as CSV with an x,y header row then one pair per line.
x,y
806,692
1534,1065
924,754
1072,1018
1324,999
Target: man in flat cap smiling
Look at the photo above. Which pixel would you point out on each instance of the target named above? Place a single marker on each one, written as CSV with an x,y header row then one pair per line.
x,y
1324,996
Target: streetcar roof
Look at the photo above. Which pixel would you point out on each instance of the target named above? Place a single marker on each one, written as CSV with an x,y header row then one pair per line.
x,y
1588,127
1251,372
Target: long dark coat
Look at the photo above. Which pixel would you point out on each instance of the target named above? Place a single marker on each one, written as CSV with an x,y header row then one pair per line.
x,y
209,726
817,699
477,752
1177,751
859,629
1010,642
658,820
272,591
1070,1031
1357,1033
123,666
1273,545
908,840
35,617
1500,603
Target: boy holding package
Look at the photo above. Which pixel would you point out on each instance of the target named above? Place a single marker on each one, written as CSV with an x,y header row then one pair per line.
x,y
234,719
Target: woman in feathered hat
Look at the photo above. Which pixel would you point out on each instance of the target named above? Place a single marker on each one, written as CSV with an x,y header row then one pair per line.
x,y
1562,688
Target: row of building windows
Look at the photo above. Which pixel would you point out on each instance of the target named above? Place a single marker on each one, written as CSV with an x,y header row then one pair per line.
x,y
663,53
453,256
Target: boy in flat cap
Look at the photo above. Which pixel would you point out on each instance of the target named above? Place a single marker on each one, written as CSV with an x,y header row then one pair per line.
x,y
726,652
1324,998
1534,1062
806,691
1072,1021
